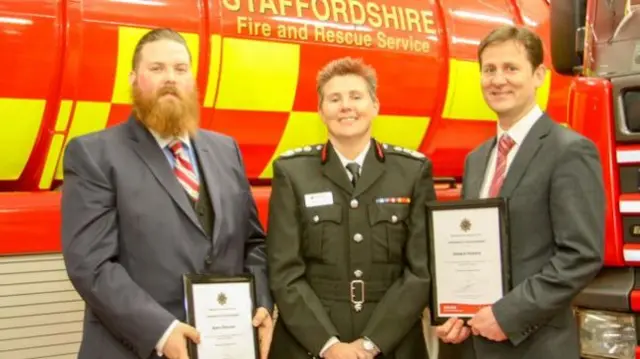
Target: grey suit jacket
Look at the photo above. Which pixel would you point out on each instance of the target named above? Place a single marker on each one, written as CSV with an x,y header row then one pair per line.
x,y
557,208
129,233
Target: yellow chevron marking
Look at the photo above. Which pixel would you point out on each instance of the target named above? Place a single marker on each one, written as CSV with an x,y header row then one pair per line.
x,y
303,128
464,94
63,115
19,127
55,147
128,37
88,117
258,75
404,131
542,96
214,71
52,160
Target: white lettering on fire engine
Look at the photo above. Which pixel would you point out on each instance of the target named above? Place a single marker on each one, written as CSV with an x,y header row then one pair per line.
x,y
359,23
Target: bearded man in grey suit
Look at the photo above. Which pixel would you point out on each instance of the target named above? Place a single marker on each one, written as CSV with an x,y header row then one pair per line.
x,y
552,177
149,200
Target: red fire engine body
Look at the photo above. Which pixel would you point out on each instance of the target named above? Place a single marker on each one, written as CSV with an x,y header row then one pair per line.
x,y
598,41
66,66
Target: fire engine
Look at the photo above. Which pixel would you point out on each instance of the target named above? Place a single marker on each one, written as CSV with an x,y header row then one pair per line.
x,y
65,67
598,41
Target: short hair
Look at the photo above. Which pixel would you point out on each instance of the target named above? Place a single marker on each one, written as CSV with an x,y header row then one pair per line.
x,y
157,35
529,39
347,66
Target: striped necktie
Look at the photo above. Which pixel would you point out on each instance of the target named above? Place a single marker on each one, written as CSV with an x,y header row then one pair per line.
x,y
505,145
184,170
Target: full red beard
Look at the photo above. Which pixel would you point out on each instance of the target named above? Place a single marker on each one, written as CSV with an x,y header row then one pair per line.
x,y
168,117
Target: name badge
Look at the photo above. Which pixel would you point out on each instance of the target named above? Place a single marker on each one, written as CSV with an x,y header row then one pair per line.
x,y
318,199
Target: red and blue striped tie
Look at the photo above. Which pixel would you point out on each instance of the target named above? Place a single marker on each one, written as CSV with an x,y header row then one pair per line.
x,y
184,171
504,147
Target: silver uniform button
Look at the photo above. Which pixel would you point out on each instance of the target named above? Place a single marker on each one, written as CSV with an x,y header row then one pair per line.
x,y
357,273
316,218
394,218
357,237
354,203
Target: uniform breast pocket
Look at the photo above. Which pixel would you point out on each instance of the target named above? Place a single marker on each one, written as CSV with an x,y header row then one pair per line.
x,y
324,232
389,229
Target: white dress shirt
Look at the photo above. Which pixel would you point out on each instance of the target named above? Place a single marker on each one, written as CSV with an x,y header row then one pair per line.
x,y
165,141
517,133
360,161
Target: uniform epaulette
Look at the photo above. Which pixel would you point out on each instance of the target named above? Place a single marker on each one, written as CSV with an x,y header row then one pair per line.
x,y
302,151
397,150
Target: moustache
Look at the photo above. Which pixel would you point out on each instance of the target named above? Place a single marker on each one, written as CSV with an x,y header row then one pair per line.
x,y
169,90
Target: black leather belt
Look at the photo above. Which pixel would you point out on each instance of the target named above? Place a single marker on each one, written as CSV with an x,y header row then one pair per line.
x,y
355,292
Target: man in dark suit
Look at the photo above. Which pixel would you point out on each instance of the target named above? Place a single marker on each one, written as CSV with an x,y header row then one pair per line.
x,y
347,243
553,179
151,199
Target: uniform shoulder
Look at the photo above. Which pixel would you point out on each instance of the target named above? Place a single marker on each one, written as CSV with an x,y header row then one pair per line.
x,y
394,150
302,152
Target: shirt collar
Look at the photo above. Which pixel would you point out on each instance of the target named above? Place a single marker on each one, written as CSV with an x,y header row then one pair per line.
x,y
165,141
520,129
359,159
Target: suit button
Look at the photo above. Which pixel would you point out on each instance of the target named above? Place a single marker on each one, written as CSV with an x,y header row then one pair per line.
x,y
394,219
354,203
357,273
316,219
208,260
357,237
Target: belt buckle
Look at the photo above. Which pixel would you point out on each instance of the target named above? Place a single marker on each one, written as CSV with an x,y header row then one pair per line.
x,y
357,303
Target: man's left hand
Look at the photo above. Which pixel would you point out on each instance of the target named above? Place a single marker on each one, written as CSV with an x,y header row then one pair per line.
x,y
262,320
484,323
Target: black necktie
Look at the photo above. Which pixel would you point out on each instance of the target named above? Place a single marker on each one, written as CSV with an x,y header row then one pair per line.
x,y
354,168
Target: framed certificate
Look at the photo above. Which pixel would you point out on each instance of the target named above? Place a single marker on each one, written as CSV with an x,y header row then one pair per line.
x,y
221,309
469,256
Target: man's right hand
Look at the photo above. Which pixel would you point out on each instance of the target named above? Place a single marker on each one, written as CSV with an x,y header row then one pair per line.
x,y
453,331
176,345
346,351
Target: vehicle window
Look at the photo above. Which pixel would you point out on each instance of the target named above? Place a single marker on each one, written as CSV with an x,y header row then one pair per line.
x,y
631,100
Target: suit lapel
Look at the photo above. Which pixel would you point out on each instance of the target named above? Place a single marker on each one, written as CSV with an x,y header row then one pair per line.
x,y
333,169
526,152
152,155
372,169
478,170
210,171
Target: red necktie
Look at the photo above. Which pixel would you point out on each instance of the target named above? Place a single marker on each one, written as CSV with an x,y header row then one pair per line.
x,y
184,171
504,146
